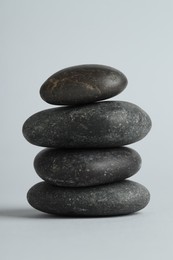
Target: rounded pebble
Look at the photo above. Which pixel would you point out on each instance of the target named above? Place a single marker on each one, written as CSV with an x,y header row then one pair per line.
x,y
118,198
82,84
103,124
86,167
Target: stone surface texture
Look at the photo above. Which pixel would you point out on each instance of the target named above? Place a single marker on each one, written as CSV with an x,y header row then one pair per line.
x,y
86,167
114,199
83,84
99,125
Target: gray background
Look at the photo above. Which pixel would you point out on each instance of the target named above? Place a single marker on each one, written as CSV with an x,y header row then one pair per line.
x,y
37,39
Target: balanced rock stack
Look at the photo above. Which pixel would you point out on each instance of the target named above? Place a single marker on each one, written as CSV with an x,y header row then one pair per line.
x,y
84,167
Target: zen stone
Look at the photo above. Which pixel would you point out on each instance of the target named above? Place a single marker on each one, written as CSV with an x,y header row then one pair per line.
x,y
83,84
105,200
103,124
85,167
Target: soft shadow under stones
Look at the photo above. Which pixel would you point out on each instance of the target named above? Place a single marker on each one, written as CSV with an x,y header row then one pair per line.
x,y
27,213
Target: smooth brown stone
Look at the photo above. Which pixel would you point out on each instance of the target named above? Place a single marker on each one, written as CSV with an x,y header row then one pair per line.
x,y
83,84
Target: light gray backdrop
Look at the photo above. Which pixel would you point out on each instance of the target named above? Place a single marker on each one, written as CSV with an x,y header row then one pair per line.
x,y
37,39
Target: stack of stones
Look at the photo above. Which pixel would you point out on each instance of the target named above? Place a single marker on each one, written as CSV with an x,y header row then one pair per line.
x,y
85,165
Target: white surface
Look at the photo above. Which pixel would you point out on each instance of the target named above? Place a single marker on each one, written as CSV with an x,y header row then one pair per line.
x,y
37,39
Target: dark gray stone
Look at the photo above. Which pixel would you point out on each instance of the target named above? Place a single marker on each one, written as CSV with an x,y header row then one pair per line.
x,y
105,200
83,84
86,167
103,124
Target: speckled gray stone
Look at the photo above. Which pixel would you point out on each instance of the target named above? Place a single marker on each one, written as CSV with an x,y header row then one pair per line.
x,y
83,84
86,167
103,124
105,200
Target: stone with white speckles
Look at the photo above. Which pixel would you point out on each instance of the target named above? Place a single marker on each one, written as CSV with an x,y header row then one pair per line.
x,y
86,167
83,84
103,124
118,198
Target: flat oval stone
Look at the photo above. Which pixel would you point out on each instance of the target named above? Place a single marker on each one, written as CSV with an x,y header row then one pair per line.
x,y
105,200
103,124
83,84
86,167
